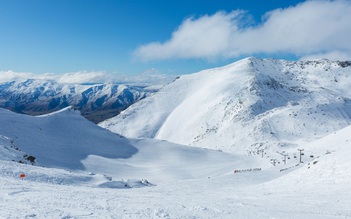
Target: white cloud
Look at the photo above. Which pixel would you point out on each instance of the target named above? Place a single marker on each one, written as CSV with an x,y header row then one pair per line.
x,y
85,77
7,76
334,56
207,36
307,29
149,77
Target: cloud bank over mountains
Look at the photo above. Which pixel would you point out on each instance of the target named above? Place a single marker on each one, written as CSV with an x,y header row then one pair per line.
x,y
150,77
310,30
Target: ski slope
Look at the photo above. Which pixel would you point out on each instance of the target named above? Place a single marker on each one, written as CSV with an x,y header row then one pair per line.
x,y
98,174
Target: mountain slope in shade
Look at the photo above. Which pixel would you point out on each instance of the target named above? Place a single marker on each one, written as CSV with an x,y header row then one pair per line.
x,y
96,101
62,139
248,105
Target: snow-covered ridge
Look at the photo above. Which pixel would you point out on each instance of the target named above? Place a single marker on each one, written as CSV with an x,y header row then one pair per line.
x,y
96,101
250,104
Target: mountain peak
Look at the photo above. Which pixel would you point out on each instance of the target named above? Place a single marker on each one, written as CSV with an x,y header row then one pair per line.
x,y
248,104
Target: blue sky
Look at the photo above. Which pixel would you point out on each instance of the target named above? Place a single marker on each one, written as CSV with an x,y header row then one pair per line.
x,y
125,37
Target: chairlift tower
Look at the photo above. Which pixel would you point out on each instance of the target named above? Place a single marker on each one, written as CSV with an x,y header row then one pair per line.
x,y
301,154
273,161
284,155
262,151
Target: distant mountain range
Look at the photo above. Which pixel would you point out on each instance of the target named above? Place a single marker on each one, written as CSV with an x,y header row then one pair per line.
x,y
96,102
246,106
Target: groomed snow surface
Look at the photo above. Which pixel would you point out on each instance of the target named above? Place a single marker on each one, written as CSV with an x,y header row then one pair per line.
x,y
158,179
81,170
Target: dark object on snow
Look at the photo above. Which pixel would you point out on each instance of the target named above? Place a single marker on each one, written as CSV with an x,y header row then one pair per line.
x,y
29,158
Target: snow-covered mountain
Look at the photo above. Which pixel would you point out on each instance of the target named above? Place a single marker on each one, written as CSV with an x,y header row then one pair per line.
x,y
97,102
88,170
248,105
